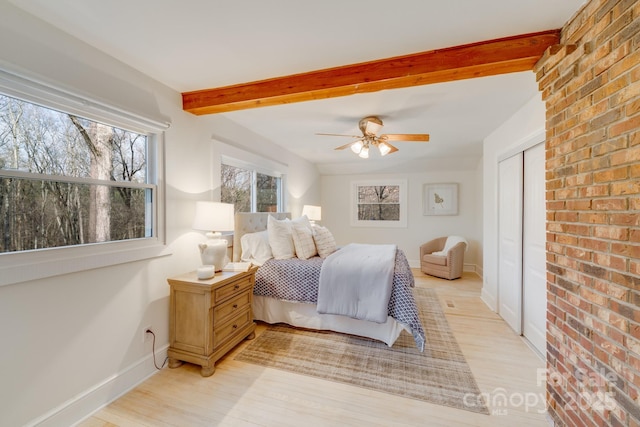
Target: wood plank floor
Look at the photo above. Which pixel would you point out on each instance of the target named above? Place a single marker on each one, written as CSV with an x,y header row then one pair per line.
x,y
240,394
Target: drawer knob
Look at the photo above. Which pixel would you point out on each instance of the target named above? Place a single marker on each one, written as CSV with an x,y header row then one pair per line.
x,y
235,326
235,305
236,287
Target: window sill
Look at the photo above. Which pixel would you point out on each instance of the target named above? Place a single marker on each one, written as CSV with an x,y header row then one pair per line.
x,y
40,264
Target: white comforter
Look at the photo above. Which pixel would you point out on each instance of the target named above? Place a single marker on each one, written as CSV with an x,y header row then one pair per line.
x,y
356,281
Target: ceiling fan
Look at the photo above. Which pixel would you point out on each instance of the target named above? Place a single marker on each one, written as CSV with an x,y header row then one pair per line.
x,y
370,126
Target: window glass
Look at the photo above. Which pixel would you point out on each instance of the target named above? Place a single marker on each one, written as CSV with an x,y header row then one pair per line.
x,y
249,190
379,203
267,191
66,180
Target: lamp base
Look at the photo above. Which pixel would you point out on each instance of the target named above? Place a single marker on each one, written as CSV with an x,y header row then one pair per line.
x,y
214,251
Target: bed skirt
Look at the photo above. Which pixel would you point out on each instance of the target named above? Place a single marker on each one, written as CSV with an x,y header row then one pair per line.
x,y
304,315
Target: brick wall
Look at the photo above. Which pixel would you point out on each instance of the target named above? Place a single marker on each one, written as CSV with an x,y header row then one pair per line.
x,y
591,86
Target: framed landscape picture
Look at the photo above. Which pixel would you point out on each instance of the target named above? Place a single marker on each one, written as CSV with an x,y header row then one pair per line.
x,y
440,199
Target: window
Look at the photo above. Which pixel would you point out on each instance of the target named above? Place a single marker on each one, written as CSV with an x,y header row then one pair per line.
x,y
77,191
379,203
250,190
65,180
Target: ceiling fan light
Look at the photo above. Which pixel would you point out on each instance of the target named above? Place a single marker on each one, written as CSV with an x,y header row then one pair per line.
x,y
356,147
384,149
364,153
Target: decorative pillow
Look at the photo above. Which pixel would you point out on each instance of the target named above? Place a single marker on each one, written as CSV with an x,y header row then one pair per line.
x,y
325,243
255,247
303,240
280,238
303,220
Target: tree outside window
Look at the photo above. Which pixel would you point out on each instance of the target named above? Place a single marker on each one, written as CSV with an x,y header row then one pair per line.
x,y
66,180
379,203
249,190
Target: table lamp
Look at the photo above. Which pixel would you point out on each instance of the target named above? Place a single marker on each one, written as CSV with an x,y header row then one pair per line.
x,y
314,213
214,217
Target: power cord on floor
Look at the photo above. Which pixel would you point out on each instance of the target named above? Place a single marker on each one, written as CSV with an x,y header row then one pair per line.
x,y
153,349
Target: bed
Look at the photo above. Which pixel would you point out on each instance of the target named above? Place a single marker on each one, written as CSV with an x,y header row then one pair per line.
x,y
286,292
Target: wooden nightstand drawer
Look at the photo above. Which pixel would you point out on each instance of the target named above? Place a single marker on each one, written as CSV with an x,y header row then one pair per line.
x,y
231,289
208,317
226,331
233,306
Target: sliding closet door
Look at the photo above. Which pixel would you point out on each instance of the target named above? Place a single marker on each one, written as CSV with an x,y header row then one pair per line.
x,y
534,306
510,241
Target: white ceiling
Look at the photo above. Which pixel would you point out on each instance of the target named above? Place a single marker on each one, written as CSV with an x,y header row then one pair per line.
x,y
199,44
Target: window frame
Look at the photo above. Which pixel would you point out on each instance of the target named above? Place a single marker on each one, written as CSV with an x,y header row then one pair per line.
x,y
402,220
255,170
17,267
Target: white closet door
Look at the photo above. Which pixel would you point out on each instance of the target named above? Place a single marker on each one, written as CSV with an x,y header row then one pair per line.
x,y
510,241
534,247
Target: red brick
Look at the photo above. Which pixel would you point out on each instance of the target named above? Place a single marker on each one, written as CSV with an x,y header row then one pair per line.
x,y
630,155
627,187
594,244
593,297
609,146
610,204
624,126
594,191
615,233
615,174
629,219
610,261
593,217
625,94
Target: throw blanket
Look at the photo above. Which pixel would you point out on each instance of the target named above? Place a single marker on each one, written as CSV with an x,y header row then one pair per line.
x,y
450,243
356,281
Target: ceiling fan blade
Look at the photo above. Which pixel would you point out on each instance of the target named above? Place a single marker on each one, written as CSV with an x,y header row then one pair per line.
x,y
393,149
415,137
339,134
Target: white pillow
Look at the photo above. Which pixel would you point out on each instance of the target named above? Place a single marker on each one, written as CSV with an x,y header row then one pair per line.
x,y
303,220
280,238
255,247
303,240
325,243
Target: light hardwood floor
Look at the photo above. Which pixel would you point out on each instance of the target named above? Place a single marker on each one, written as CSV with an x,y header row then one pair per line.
x,y
241,394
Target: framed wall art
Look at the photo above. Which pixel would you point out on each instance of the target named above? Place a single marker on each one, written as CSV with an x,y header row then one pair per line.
x,y
440,199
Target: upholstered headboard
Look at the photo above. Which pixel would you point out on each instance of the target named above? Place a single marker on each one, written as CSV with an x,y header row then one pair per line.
x,y
247,222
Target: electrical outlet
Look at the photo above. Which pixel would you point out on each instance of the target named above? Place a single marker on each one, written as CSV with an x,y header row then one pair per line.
x,y
145,335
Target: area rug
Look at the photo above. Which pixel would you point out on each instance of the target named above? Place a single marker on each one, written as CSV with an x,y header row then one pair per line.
x,y
438,375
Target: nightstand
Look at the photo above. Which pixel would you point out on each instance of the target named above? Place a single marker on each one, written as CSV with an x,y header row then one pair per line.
x,y
207,318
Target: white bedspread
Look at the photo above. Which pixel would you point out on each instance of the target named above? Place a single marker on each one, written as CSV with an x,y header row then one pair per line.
x,y
356,281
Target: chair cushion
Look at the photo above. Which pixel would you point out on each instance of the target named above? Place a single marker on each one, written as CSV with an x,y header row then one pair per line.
x,y
435,259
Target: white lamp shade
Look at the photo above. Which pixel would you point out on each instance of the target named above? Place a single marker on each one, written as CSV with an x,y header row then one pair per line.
x,y
314,213
384,149
356,147
213,216
210,217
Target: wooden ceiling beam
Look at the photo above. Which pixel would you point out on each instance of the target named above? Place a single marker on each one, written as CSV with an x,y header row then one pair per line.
x,y
500,56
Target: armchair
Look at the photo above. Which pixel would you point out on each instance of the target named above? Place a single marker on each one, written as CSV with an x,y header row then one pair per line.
x,y
448,260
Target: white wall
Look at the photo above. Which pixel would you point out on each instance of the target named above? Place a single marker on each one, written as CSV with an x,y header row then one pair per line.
x,y
520,131
336,204
73,342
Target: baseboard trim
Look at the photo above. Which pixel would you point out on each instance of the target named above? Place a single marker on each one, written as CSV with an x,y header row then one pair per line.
x,y
82,406
489,300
